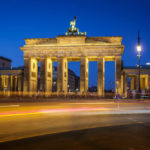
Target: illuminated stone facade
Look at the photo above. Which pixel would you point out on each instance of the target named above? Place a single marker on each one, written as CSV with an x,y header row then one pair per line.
x,y
11,79
70,48
131,75
63,49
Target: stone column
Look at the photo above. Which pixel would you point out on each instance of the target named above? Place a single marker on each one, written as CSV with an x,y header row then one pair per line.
x,y
101,76
25,75
0,83
132,83
146,82
62,75
46,76
118,64
137,82
142,83
122,80
33,74
7,83
149,82
10,82
42,75
19,83
125,77
3,82
30,74
16,83
84,75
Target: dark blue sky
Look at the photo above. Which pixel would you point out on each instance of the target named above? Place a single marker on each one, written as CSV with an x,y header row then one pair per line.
x,y
21,19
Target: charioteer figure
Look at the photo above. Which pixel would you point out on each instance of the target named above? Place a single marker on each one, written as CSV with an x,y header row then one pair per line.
x,y
73,30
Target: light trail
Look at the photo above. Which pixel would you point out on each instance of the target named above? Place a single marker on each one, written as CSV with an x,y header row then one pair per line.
x,y
102,110
9,106
44,111
91,103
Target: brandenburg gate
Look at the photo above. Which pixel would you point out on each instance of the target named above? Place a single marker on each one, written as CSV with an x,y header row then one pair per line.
x,y
74,46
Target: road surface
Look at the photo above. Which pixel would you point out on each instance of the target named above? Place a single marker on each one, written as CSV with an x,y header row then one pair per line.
x,y
75,123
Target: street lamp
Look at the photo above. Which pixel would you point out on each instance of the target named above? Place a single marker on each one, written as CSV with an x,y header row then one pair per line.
x,y
139,49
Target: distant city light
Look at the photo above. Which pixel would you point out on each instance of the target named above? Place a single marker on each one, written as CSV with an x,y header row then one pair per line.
x,y
148,63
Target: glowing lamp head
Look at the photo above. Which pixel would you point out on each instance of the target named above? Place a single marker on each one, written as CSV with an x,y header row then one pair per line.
x,y
139,48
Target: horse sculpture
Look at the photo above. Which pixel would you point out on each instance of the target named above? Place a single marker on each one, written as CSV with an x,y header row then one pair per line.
x,y
73,30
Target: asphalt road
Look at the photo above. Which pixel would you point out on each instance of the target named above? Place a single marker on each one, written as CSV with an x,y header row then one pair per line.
x,y
75,125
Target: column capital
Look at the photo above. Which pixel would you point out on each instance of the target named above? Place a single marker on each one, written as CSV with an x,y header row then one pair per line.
x,y
26,58
62,58
83,57
117,57
41,58
100,57
45,57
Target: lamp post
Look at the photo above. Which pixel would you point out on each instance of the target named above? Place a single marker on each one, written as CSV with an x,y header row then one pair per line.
x,y
139,49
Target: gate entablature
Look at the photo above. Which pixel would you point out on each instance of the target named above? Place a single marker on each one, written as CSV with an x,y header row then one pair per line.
x,y
73,46
75,39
